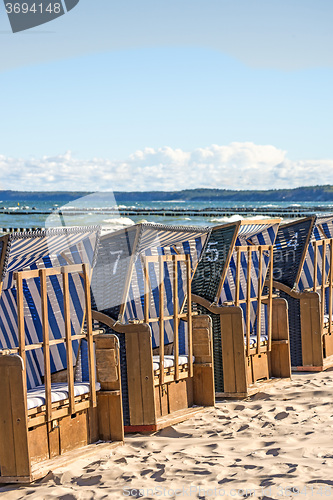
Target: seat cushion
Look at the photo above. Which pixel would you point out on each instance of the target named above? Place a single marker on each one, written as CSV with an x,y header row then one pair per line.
x,y
326,319
253,339
59,392
169,361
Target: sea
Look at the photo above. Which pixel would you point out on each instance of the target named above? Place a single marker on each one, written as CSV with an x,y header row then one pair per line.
x,y
104,211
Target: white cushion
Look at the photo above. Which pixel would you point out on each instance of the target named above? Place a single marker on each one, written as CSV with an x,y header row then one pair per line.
x,y
253,339
326,319
59,392
169,360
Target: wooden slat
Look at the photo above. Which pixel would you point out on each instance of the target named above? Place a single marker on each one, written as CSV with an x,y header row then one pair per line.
x,y
245,301
147,377
248,301
189,314
270,299
69,346
90,340
51,271
330,306
20,321
166,318
255,248
175,316
166,258
146,291
259,300
323,281
315,247
237,281
161,314
320,242
39,345
46,344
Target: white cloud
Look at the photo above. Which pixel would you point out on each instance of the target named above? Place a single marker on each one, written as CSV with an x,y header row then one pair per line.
x,y
235,166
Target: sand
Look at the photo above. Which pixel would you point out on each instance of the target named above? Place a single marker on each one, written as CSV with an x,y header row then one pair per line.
x,y
260,447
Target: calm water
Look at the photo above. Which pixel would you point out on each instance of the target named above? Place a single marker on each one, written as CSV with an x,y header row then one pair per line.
x,y
16,218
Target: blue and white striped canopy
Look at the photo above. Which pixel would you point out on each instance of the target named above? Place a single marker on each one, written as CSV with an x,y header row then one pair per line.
x,y
322,229
215,278
36,250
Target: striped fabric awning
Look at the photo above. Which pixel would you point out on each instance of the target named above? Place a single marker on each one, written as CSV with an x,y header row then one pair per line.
x,y
118,279
36,250
322,229
215,277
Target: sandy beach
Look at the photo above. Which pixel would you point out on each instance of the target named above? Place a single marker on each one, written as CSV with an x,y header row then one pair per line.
x,y
261,447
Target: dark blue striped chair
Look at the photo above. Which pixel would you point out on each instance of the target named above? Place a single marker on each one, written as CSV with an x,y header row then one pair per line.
x,y
303,259
140,286
250,329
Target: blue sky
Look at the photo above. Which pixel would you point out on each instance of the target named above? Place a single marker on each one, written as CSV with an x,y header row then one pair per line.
x,y
128,86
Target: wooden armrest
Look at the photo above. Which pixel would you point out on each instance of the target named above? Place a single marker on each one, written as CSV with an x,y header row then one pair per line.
x,y
206,304
213,308
118,327
284,288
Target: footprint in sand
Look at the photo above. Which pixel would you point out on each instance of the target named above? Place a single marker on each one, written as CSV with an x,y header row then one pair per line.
x,y
273,451
281,415
239,407
145,472
158,474
89,481
243,428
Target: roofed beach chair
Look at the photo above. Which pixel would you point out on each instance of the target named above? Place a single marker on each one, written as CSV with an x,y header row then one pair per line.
x,y
303,263
250,325
51,404
140,283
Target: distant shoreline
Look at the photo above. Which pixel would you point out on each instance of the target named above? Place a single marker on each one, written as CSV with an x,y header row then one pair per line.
x,y
301,194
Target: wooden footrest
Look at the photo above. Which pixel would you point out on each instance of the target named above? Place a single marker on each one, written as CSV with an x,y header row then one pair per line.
x,y
175,418
42,469
252,389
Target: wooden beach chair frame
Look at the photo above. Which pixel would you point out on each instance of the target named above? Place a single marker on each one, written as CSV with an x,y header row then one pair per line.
x,y
159,398
311,337
242,368
43,437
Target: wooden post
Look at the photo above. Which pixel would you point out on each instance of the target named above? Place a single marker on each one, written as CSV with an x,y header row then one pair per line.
x,y
20,321
203,378
312,342
189,315
161,294
14,446
91,357
146,291
323,281
280,366
175,317
237,280
109,408
330,306
46,344
270,299
69,347
315,266
248,301
259,301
